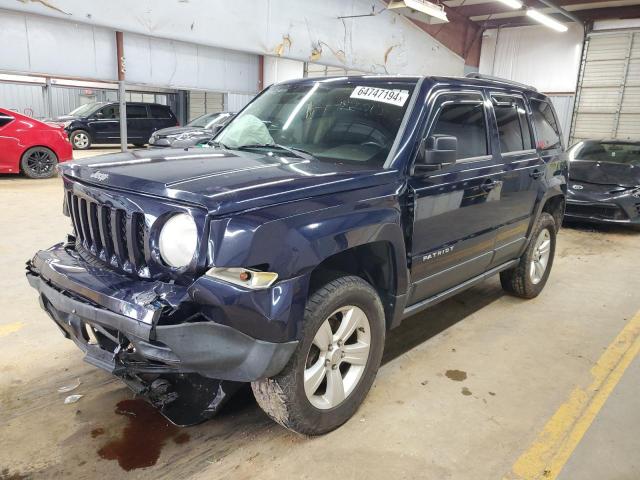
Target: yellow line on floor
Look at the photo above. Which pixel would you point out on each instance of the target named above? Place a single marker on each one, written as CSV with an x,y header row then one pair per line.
x,y
558,439
10,328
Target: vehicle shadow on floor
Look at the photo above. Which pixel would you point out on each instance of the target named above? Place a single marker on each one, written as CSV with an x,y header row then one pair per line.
x,y
419,328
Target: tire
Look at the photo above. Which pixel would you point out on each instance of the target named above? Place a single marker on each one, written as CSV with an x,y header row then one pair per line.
x,y
39,162
283,397
80,140
527,280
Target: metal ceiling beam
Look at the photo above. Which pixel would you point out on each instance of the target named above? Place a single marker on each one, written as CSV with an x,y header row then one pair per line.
x,y
562,11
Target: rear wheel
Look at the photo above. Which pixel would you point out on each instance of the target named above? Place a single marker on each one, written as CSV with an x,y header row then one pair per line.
x,y
80,139
529,277
336,361
39,162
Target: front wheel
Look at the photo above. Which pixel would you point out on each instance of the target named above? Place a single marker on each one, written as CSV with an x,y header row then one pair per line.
x,y
80,139
529,277
39,162
336,361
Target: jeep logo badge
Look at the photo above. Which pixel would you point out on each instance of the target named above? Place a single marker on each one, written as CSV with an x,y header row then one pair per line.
x,y
99,176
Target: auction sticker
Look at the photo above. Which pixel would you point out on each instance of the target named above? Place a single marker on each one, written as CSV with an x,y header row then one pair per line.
x,y
394,97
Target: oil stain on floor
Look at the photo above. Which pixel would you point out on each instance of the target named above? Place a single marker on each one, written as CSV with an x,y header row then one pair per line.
x,y
456,375
141,441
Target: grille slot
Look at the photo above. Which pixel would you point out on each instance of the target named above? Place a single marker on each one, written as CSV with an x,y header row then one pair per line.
x,y
110,234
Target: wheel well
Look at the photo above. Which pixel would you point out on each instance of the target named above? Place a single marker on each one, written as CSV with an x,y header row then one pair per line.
x,y
555,207
373,262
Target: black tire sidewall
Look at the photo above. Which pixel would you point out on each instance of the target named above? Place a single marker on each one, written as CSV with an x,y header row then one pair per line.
x,y
354,292
74,133
545,221
25,169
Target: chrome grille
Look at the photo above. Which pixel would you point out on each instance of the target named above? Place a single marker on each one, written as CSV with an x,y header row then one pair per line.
x,y
110,234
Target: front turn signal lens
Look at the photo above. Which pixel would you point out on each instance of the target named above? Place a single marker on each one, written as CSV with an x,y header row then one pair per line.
x,y
244,277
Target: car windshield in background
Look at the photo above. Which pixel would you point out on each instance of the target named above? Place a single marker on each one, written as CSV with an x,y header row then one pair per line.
x,y
612,152
334,120
207,120
85,109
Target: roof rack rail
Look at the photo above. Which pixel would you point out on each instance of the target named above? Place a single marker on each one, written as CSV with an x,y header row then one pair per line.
x,y
481,76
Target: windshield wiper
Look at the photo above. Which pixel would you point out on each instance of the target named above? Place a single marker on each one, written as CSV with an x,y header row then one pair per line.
x,y
298,152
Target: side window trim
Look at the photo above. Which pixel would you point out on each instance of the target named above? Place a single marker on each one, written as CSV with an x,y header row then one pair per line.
x,y
434,115
528,113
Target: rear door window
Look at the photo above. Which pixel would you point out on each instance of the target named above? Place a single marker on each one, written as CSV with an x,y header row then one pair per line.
x,y
547,131
512,123
462,116
136,111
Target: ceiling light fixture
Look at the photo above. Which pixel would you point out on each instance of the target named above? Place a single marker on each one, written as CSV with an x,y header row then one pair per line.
x,y
546,20
516,4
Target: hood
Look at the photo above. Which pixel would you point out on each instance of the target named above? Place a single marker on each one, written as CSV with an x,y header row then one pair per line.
x,y
222,181
175,131
604,173
63,118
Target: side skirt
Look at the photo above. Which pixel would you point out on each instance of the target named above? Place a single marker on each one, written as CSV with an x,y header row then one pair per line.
x,y
417,307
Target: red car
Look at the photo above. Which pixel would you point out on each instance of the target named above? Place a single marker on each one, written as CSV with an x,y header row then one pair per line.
x,y
30,146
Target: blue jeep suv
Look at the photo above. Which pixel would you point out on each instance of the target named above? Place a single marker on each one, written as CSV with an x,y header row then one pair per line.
x,y
326,212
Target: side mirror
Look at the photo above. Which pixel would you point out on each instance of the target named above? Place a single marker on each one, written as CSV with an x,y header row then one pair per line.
x,y
99,115
435,152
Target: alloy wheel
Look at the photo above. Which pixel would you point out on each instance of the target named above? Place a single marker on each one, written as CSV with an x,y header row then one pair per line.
x,y
540,258
81,140
337,357
41,161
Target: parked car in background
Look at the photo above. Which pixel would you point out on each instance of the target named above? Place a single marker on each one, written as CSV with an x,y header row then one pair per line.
x,y
199,130
604,182
31,146
99,122
324,214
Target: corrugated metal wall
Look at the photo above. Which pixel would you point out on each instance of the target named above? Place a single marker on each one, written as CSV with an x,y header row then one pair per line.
x,y
30,99
608,97
23,98
237,101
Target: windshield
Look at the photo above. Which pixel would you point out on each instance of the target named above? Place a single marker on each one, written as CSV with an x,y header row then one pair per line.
x,y
83,110
337,120
207,120
612,152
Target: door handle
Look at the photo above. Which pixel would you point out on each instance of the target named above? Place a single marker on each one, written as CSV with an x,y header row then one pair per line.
x,y
536,174
489,185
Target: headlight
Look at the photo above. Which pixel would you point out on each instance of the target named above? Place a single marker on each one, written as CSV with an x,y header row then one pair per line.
x,y
179,240
244,277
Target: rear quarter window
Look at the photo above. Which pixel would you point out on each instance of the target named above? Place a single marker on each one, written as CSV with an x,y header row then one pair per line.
x,y
5,119
547,131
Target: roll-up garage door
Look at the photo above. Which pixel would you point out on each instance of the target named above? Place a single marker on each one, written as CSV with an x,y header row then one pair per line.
x,y
608,97
205,102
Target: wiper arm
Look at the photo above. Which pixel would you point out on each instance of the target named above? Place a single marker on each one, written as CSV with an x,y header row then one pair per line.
x,y
215,143
298,152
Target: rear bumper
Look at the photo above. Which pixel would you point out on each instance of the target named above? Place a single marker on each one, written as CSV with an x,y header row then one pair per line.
x,y
124,326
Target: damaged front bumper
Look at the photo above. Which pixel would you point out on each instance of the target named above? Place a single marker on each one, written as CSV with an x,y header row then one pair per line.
x,y
151,335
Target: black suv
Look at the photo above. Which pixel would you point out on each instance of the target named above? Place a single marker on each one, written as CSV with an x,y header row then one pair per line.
x,y
325,212
99,122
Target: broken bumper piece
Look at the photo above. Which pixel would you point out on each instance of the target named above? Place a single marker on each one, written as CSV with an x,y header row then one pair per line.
x,y
128,328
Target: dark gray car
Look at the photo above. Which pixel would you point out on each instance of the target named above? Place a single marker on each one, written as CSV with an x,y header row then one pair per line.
x,y
196,131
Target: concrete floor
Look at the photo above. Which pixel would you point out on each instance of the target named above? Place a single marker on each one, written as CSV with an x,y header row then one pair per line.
x,y
522,360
